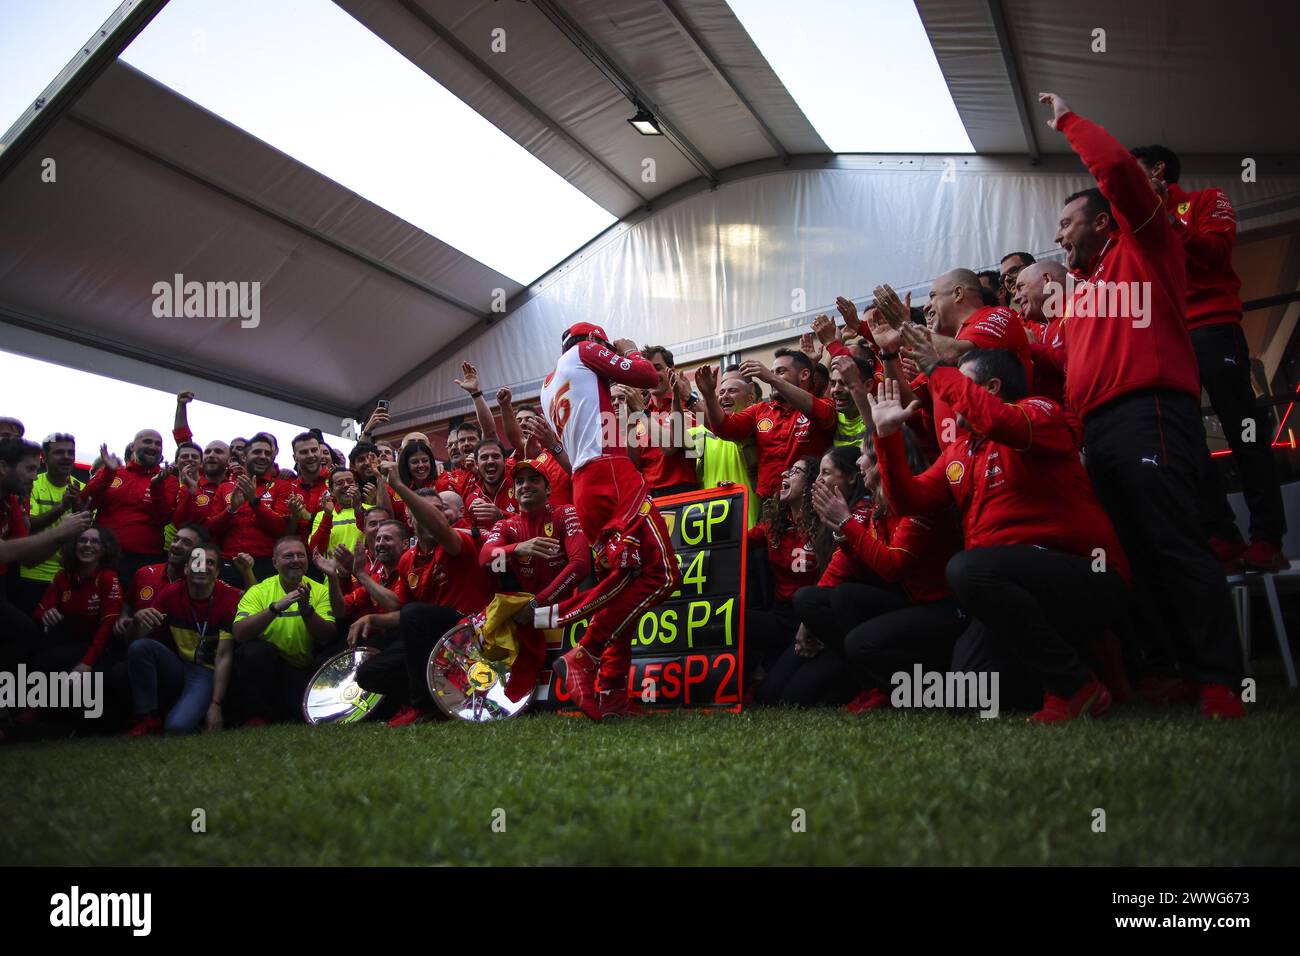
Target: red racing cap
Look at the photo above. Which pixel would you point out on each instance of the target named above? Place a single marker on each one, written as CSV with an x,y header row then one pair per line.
x,y
583,328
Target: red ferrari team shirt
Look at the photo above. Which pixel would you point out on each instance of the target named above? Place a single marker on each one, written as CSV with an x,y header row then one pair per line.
x,y
90,608
252,528
357,603
452,580
550,580
13,523
148,584
661,470
126,504
1016,478
791,557
909,552
782,434
1206,224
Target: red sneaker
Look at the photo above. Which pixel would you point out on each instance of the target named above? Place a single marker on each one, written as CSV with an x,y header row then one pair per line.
x,y
617,703
872,699
144,726
1092,699
578,671
409,715
1229,553
1166,690
1264,556
1220,701
1109,655
255,722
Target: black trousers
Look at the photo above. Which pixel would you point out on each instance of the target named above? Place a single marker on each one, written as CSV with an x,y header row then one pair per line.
x,y
901,636
422,626
1144,455
267,685
768,633
828,614
1224,360
19,635
385,672
1047,603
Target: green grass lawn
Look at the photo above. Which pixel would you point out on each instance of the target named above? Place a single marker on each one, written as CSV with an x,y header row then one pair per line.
x,y
909,788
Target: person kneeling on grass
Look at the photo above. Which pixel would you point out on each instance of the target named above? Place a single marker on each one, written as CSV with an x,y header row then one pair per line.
x,y
182,650
1044,570
282,629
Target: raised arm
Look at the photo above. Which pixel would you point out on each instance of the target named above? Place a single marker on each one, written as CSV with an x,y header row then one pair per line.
x,y
626,366
1035,425
428,514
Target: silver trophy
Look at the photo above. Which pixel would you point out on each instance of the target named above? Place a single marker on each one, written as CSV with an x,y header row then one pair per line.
x,y
466,685
333,695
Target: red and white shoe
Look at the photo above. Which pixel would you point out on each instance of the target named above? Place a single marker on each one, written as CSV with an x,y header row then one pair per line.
x,y
145,726
617,703
578,671
1092,699
871,699
409,715
1218,701
1264,556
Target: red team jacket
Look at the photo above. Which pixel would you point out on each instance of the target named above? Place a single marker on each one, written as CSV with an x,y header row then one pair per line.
x,y
148,584
791,557
13,522
254,529
127,507
90,608
911,552
550,580
1017,478
660,470
1207,225
783,435
455,581
1108,357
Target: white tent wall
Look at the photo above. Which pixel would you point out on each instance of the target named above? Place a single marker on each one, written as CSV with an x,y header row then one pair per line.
x,y
722,271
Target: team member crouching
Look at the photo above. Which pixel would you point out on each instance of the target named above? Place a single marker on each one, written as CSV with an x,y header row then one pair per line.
x,y
183,649
1044,569
618,518
449,585
280,627
797,549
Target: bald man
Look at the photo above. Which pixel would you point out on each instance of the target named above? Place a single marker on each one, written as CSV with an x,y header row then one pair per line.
x,y
1040,296
135,501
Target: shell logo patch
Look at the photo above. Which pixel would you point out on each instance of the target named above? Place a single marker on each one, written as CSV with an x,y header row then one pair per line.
x,y
146,593
645,507
955,471
67,596
766,424
202,500
1183,208
117,483
413,580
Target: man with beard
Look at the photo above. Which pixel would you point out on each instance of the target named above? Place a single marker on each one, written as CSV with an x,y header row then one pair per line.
x,y
543,544
198,499
661,432
793,424
54,493
280,629
618,517
251,512
143,590
1033,293
1133,379
134,501
340,518
492,496
312,482
376,593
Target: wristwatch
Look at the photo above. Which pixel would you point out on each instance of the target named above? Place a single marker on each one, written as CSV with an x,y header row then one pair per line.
x,y
692,401
557,449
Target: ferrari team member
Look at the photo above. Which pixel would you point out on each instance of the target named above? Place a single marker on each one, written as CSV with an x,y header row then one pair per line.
x,y
312,483
792,425
280,628
149,582
81,606
252,512
1206,224
1043,567
1039,290
1008,271
534,439
184,652
1134,381
197,498
720,462
450,586
54,493
630,539
19,461
134,501
492,495
543,544
661,432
